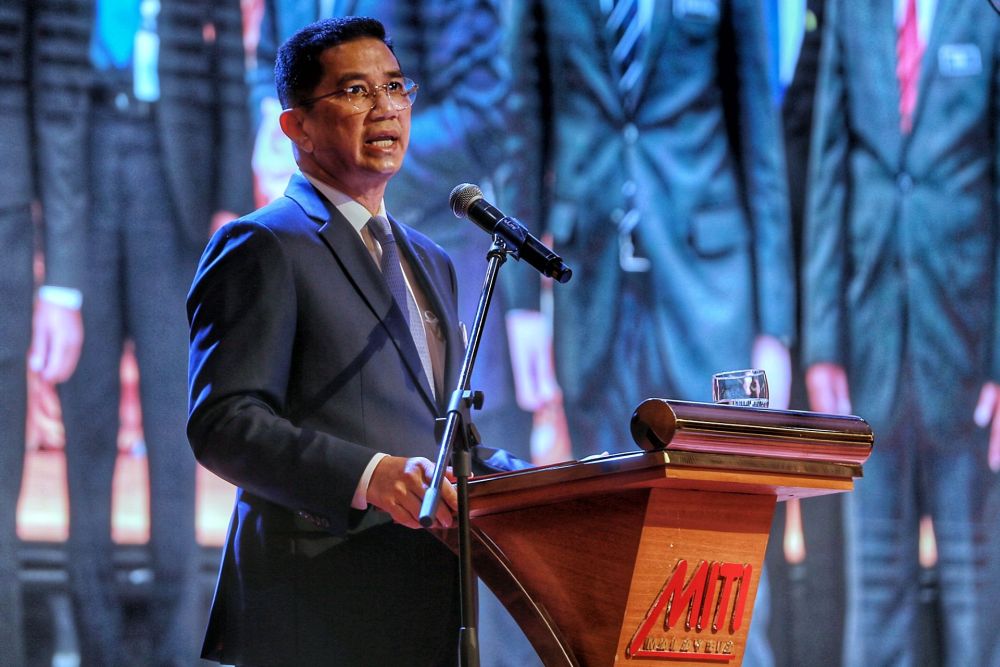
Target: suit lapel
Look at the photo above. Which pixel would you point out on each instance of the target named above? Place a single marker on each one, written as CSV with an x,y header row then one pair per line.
x,y
875,66
652,44
347,246
928,63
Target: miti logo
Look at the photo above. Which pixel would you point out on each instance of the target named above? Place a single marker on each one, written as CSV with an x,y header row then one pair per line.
x,y
700,614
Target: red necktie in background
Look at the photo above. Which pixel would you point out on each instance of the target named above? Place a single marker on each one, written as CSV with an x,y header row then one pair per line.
x,y
909,51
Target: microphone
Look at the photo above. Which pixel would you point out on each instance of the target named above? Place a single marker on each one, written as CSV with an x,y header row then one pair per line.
x,y
467,201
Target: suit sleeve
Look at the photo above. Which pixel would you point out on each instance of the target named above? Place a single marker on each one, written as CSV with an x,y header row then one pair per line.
x,y
824,252
61,79
242,310
16,182
763,165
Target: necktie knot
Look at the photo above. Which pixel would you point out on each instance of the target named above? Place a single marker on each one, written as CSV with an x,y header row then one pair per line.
x,y
381,230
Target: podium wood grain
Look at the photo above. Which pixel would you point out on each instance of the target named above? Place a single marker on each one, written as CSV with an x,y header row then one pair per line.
x,y
580,552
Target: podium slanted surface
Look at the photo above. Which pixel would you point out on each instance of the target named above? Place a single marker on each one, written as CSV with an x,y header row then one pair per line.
x,y
653,557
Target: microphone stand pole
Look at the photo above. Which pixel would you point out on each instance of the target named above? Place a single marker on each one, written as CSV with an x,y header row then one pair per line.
x,y
458,438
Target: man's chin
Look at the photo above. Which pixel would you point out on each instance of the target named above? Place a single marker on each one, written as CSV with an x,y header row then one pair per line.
x,y
386,167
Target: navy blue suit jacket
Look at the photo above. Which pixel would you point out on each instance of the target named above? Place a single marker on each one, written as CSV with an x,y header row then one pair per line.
x,y
302,368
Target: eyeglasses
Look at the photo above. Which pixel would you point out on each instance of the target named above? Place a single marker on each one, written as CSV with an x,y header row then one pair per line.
x,y
401,93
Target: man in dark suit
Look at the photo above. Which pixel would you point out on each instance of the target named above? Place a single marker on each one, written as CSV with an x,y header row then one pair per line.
x,y
143,139
16,284
324,338
665,191
454,49
56,335
900,318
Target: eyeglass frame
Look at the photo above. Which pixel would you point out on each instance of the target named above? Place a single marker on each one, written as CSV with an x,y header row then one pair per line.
x,y
410,88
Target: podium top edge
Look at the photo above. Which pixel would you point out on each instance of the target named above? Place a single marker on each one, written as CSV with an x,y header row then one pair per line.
x,y
659,423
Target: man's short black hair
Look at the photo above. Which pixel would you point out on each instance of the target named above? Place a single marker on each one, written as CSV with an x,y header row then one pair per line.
x,y
297,68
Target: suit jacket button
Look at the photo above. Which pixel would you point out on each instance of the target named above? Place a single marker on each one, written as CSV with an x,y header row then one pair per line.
x,y
905,182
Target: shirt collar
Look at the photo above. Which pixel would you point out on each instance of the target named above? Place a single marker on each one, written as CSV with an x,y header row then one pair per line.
x,y
355,213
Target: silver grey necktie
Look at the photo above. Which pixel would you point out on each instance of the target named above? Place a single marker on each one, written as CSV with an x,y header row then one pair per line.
x,y
392,272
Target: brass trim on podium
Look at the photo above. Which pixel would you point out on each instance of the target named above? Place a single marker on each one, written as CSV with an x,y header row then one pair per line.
x,y
660,423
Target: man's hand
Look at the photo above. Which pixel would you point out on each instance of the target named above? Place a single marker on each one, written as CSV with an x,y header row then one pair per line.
x,y
826,384
771,355
398,485
56,340
550,441
986,414
530,341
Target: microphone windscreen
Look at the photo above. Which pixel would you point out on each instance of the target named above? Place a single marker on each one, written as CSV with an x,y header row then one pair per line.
x,y
462,197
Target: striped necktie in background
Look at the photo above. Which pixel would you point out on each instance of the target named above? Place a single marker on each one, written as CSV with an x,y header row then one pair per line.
x,y
624,22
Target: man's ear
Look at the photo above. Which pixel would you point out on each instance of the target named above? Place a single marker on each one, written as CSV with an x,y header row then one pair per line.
x,y
293,125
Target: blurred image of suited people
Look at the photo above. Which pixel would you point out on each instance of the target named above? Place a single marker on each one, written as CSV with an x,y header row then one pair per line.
x,y
805,552
143,140
55,337
665,191
454,49
16,288
664,188
901,249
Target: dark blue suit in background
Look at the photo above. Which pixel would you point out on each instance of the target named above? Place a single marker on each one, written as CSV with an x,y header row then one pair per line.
x,y
901,288
695,158
669,202
139,182
17,249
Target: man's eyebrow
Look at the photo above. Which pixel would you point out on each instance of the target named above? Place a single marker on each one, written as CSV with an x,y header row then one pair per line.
x,y
353,76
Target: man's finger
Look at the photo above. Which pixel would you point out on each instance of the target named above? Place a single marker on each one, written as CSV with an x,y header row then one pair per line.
x,y
36,358
985,405
55,366
843,400
993,455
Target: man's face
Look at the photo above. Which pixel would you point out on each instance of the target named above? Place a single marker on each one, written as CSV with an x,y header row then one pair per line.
x,y
354,150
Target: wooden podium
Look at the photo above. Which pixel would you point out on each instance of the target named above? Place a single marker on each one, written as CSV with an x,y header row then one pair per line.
x,y
652,557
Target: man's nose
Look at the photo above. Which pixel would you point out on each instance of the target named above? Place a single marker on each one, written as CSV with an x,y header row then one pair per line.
x,y
383,102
